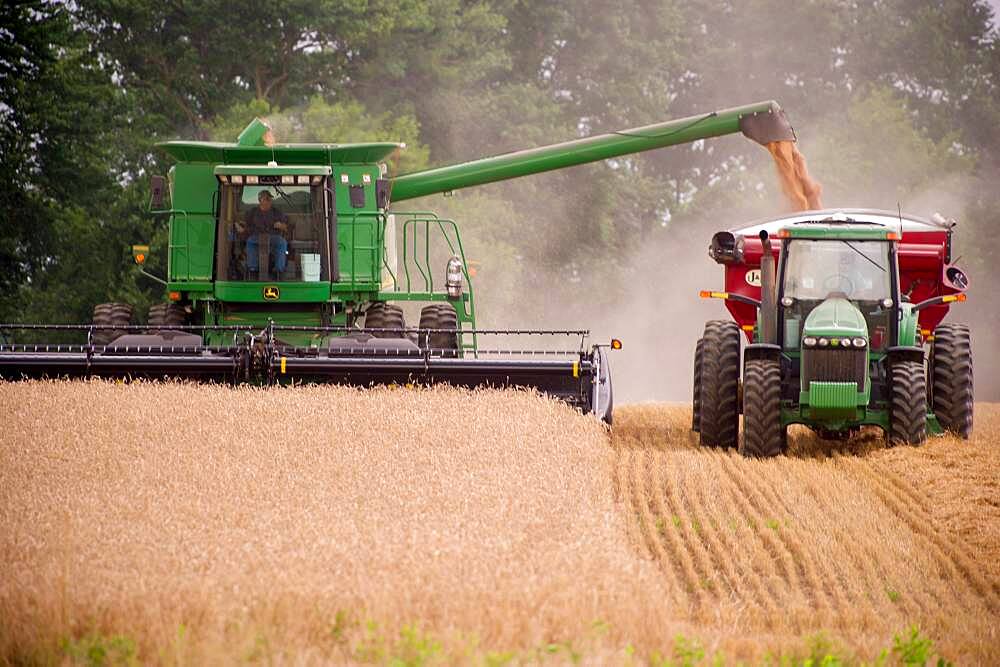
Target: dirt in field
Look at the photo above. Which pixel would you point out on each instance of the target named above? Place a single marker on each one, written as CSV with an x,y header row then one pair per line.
x,y
209,523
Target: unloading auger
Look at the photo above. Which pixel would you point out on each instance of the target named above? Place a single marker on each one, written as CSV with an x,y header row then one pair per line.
x,y
290,262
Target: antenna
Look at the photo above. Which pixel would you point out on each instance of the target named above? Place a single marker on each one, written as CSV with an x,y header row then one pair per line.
x,y
899,212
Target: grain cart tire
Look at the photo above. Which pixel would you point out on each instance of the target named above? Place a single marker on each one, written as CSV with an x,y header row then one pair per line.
x,y
763,432
951,378
908,408
111,314
720,384
440,316
696,398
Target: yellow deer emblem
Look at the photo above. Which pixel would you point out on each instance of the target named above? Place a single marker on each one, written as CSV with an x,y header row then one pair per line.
x,y
271,293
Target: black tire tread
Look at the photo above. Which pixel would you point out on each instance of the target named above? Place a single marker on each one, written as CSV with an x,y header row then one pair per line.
x,y
111,314
763,433
908,408
952,378
720,381
696,388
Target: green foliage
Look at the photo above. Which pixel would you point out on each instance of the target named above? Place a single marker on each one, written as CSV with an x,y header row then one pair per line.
x,y
95,650
876,153
893,102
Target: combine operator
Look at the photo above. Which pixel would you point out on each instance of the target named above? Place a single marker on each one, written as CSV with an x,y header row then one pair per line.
x,y
265,219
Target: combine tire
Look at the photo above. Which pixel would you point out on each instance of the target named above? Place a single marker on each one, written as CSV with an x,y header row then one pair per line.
x,y
440,316
382,315
166,315
908,410
696,398
951,378
763,433
111,314
720,384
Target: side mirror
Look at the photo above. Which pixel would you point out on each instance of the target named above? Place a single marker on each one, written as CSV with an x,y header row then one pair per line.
x,y
157,189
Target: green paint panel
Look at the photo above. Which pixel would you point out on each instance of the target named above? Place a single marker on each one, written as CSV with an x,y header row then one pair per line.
x,y
838,231
833,395
286,292
192,231
836,317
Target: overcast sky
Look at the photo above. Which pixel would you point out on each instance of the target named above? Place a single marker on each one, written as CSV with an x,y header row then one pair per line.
x,y
996,9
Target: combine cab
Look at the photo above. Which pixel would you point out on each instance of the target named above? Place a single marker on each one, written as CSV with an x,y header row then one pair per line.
x,y
844,329
291,262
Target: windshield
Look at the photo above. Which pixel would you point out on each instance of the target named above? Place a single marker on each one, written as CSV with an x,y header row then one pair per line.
x,y
855,270
272,232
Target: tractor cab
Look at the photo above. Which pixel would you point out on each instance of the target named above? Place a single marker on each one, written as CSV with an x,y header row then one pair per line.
x,y
274,224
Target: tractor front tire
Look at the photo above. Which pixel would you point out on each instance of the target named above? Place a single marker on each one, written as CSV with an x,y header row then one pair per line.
x,y
908,409
763,432
720,384
114,315
440,316
381,315
696,398
951,378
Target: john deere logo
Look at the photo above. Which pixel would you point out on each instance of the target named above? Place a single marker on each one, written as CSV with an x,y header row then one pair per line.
x,y
271,293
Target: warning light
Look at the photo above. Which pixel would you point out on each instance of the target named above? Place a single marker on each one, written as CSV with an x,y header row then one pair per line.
x,y
892,236
139,253
174,296
616,344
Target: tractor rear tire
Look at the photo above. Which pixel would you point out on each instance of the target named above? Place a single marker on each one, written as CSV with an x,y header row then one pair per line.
x,y
720,384
381,315
908,408
440,316
763,432
166,315
951,378
696,398
111,314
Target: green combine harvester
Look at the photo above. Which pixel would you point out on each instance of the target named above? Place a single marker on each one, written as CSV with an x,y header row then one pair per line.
x,y
289,262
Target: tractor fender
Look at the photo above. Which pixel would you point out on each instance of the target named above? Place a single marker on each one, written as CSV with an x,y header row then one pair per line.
x,y
767,351
905,353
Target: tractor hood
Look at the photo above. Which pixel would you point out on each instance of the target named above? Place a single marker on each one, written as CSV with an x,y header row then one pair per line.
x,y
836,317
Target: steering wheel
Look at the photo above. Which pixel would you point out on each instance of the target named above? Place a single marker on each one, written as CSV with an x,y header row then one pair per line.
x,y
837,283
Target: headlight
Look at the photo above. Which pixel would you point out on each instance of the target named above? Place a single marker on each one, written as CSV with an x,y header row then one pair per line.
x,y
809,341
287,179
787,301
845,342
453,277
859,342
251,180
887,303
823,342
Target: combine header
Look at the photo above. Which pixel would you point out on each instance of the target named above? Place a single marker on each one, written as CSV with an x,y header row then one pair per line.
x,y
289,262
844,330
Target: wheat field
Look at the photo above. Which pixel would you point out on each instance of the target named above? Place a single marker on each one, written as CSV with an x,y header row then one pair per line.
x,y
173,523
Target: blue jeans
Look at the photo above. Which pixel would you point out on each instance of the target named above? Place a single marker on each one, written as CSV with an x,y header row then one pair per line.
x,y
279,250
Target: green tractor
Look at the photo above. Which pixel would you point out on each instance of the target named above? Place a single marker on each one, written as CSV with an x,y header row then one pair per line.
x,y
843,331
291,262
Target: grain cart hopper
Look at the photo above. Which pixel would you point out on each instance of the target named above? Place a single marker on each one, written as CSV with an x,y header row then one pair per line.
x,y
844,330
318,299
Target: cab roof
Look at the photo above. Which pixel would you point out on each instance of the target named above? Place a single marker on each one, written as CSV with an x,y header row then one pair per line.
x,y
853,223
213,152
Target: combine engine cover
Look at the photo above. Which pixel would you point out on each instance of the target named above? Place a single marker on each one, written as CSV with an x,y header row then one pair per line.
x,y
925,268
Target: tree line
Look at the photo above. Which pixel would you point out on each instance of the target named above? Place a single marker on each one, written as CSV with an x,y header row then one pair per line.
x,y
894,102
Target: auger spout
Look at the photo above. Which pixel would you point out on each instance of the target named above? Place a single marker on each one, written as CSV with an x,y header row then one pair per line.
x,y
762,122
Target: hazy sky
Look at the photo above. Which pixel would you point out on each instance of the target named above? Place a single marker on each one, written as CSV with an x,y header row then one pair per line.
x,y
996,9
